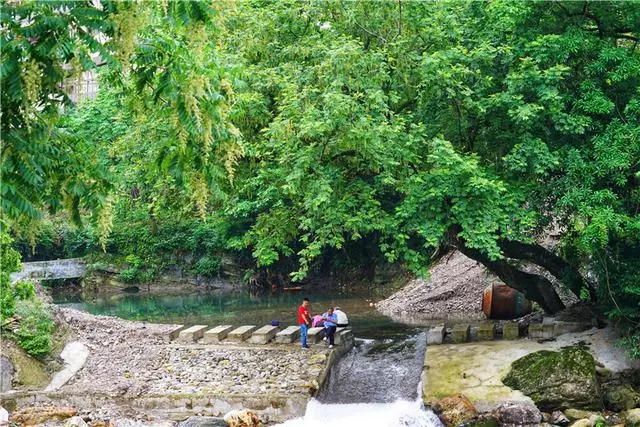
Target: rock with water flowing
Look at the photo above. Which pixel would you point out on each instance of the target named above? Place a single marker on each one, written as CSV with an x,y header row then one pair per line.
x,y
455,410
242,418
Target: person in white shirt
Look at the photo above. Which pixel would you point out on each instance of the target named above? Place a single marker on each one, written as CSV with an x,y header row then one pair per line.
x,y
343,321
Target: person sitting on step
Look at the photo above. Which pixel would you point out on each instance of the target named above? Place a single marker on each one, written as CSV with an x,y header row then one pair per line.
x,y
330,325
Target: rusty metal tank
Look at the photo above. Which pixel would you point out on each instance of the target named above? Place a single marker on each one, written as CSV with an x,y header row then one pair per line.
x,y
502,302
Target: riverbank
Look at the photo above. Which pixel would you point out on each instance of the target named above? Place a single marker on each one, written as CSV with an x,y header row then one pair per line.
x,y
131,373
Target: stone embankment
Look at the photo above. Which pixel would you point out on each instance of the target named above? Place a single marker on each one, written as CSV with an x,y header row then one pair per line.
x,y
137,370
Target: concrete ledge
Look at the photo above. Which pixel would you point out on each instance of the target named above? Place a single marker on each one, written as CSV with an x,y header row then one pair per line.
x,y
242,333
217,334
288,335
315,335
264,334
435,335
192,334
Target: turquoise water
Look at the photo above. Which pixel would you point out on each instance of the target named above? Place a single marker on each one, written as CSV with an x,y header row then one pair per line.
x,y
237,308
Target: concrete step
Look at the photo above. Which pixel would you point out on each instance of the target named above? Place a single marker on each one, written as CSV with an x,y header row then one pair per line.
x,y
343,335
192,334
217,334
460,333
315,335
241,334
510,331
264,334
486,331
435,335
173,334
288,335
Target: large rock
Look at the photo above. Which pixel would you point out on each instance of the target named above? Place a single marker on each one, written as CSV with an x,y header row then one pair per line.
x,y
242,418
557,380
203,422
620,398
517,413
75,422
454,410
6,374
632,418
41,415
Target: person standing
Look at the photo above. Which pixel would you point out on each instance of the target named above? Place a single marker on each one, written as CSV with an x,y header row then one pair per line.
x,y
330,325
304,320
343,321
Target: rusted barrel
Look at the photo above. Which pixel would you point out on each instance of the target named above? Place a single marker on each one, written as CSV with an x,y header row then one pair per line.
x,y
502,302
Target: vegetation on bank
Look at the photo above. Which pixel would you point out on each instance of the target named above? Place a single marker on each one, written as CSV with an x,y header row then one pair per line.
x,y
301,136
23,316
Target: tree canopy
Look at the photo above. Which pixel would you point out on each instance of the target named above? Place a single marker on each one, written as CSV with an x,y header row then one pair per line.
x,y
296,131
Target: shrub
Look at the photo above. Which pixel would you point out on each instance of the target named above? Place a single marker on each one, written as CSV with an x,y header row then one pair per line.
x,y
36,326
208,266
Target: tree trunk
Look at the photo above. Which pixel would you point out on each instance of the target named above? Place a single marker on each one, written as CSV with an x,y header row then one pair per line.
x,y
535,287
561,269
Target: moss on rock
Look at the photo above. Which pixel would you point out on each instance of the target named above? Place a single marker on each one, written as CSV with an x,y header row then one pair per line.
x,y
557,380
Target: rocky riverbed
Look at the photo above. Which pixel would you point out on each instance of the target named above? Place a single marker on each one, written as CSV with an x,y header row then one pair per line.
x,y
132,373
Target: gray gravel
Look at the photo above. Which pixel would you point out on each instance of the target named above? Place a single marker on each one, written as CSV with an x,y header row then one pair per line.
x,y
452,291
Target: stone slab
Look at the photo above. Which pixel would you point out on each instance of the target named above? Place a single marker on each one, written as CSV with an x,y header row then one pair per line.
x,y
486,331
173,334
242,333
343,335
74,355
510,331
560,327
460,333
541,331
435,335
315,335
288,335
192,334
264,334
217,334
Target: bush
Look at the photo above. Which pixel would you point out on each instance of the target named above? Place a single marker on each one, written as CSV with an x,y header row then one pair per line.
x,y
35,328
208,266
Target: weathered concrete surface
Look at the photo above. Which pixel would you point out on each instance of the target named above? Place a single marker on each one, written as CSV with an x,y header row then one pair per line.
x,y
510,331
435,335
174,333
315,335
476,369
74,355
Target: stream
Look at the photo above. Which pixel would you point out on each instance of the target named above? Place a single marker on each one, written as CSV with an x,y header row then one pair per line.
x,y
375,384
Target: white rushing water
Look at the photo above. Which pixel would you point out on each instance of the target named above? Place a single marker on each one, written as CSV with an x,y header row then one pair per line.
x,y
401,413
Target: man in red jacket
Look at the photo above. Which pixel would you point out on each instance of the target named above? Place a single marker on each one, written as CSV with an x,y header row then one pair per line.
x,y
304,320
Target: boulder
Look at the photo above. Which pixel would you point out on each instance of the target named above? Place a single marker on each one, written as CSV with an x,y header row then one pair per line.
x,y
632,417
620,398
517,413
559,419
577,414
6,374
557,379
40,415
75,422
242,418
203,422
454,410
585,422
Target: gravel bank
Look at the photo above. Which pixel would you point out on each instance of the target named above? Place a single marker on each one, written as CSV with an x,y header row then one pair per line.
x,y
452,291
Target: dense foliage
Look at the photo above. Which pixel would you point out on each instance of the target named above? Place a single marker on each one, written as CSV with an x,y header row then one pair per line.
x,y
300,133
23,316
